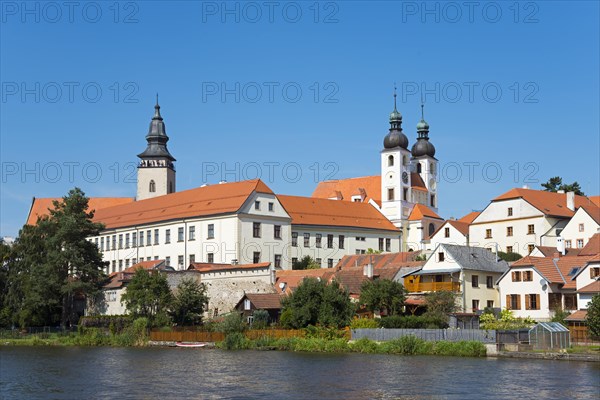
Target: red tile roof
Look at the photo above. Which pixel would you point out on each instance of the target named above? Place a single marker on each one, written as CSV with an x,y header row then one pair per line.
x,y
548,251
554,271
293,278
316,211
118,279
380,260
416,182
469,217
421,211
264,301
592,247
579,315
593,211
351,278
550,203
216,267
595,200
344,189
593,287
41,206
203,201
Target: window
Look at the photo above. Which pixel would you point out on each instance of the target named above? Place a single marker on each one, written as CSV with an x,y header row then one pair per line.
x,y
134,239
475,281
168,261
555,301
211,231
148,237
294,260
488,233
102,243
277,260
380,244
114,242
330,241
431,229
581,227
388,244
440,256
341,241
475,304
447,232
247,304
256,229
568,244
594,272
570,301
306,239
294,239
579,243
257,205
405,194
167,236
114,266
419,168
180,261
180,234
256,257
391,194
360,251
156,235
530,248
318,261
530,229
152,187
510,211
148,258
120,265
330,263
516,276
271,206
192,233
513,301
509,249
111,295
432,201
509,231
127,263
127,237
192,258
277,231
532,301
490,304
527,276
318,238
210,257
361,238
390,161
489,282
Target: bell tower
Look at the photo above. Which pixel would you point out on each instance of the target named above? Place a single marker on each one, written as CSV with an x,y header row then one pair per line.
x,y
156,171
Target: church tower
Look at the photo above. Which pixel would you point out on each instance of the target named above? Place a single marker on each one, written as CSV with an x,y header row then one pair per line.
x,y
425,163
156,171
395,173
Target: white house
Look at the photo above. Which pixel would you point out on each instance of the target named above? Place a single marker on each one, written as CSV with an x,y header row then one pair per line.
x,y
520,219
471,272
582,226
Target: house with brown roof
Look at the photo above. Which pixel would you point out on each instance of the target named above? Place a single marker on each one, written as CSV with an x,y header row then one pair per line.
x,y
537,287
581,227
454,231
521,219
270,302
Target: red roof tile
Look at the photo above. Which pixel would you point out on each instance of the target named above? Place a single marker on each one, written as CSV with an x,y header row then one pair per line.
x,y
550,203
293,278
344,189
316,211
579,315
41,206
469,217
380,260
416,182
421,211
548,251
592,247
595,200
593,211
265,301
554,271
593,287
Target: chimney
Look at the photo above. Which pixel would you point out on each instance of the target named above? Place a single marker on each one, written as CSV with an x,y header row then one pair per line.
x,y
560,245
571,201
273,276
368,270
556,255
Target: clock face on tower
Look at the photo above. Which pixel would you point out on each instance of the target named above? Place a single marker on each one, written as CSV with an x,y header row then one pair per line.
x,y
432,184
405,177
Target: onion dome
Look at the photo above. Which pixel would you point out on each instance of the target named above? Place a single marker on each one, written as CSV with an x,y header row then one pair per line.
x,y
395,137
423,147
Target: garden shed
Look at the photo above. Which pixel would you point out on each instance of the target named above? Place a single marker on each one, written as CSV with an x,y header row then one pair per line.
x,y
549,335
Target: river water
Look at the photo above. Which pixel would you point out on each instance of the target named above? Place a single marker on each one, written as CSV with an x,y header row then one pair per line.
x,y
176,373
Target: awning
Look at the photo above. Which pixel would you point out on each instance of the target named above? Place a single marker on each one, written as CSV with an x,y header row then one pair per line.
x,y
436,271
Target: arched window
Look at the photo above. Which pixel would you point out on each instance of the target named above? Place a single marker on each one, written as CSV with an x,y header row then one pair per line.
x,y
390,161
419,168
152,187
432,168
431,229
405,160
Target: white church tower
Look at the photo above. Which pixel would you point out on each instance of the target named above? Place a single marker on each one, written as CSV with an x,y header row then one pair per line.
x,y
395,171
425,164
156,171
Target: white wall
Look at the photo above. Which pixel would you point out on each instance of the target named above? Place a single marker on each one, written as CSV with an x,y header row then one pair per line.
x,y
455,237
573,232
582,280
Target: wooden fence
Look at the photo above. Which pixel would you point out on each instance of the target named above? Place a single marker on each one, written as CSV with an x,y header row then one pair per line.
x,y
202,336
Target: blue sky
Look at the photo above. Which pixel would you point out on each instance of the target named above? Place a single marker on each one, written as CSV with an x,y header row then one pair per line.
x,y
297,93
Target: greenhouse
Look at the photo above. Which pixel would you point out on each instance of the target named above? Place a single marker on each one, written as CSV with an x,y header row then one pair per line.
x,y
549,335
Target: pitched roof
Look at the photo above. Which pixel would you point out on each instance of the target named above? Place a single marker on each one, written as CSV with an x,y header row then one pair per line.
x,y
216,267
118,279
469,217
351,278
475,258
548,251
593,287
421,211
592,247
203,201
549,203
555,270
595,200
579,315
416,182
293,278
379,260
593,211
462,227
41,206
316,211
346,188
265,301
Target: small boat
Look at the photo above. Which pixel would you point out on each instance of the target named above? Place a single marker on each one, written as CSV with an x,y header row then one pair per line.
x,y
189,344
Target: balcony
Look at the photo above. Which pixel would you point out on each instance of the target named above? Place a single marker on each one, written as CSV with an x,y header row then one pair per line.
x,y
432,286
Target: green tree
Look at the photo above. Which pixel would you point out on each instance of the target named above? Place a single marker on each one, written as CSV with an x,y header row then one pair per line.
x,y
305,262
372,251
316,302
440,303
555,184
260,319
148,295
189,301
593,316
509,256
383,295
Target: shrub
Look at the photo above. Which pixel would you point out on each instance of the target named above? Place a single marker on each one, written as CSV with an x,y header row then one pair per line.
x,y
235,341
232,323
261,319
323,332
405,345
113,323
364,323
365,345
431,321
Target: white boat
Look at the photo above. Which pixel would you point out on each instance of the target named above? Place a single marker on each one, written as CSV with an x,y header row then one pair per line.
x,y
189,344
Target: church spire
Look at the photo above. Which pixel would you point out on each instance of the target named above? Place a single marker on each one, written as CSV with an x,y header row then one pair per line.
x,y
423,147
157,138
395,138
